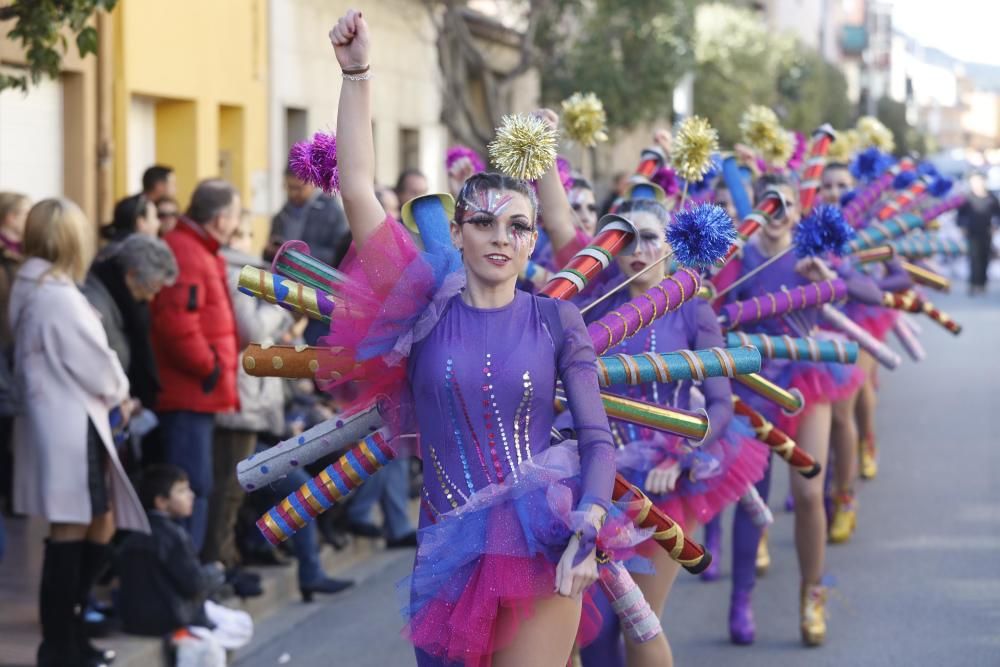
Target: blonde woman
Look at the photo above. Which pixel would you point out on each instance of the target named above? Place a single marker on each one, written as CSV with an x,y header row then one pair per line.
x,y
65,465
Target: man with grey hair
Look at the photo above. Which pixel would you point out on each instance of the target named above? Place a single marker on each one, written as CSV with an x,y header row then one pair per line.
x,y
195,341
120,285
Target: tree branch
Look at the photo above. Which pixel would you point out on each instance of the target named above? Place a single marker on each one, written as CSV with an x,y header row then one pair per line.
x,y
527,52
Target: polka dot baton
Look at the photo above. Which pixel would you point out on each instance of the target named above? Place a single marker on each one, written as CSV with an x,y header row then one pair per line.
x,y
296,362
325,438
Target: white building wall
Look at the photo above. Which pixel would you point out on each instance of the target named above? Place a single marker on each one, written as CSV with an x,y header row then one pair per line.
x,y
981,114
804,18
141,140
31,140
406,85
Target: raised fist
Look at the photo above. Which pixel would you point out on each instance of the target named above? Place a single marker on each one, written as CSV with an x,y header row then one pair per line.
x,y
350,40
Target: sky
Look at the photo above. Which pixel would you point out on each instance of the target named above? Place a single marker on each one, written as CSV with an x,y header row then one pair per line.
x,y
966,29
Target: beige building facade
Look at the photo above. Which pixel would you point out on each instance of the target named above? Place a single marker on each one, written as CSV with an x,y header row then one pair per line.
x,y
306,81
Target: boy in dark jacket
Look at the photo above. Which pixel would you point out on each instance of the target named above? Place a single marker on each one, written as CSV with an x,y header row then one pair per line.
x,y
163,584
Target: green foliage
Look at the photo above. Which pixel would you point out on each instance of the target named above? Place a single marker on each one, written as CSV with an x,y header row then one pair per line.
x,y
40,26
630,53
811,92
738,61
909,140
741,62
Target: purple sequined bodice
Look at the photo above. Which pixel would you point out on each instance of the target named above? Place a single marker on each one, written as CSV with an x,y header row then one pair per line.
x,y
780,274
692,326
483,383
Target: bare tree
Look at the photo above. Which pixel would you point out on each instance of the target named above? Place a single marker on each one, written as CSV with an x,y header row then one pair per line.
x,y
477,68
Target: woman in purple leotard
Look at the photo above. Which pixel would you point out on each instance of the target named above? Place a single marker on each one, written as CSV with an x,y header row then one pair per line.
x,y
691,482
821,385
509,523
852,433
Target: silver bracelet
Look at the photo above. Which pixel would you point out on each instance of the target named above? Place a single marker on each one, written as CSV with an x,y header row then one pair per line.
x,y
367,76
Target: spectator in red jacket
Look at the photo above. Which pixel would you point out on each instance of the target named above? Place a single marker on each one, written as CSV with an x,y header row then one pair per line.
x,y
195,341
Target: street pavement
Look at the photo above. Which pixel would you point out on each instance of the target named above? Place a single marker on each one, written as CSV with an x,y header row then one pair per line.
x,y
918,585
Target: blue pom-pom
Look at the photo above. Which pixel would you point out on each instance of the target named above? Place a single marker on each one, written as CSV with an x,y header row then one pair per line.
x,y
701,236
823,231
927,169
848,197
869,164
940,186
904,179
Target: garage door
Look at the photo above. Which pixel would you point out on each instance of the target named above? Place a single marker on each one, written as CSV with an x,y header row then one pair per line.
x,y
141,140
31,140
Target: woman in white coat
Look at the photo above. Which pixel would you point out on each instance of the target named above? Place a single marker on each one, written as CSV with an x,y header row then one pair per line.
x,y
65,465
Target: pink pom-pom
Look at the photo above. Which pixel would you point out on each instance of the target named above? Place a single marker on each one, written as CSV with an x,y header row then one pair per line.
x,y
323,157
666,179
456,153
565,172
798,155
300,162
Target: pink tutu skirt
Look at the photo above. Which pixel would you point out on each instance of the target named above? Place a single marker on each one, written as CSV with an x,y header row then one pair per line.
x,y
713,476
818,382
498,553
876,320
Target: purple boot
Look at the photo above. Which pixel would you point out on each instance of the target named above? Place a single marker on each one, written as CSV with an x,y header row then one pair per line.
x,y
741,625
713,539
789,502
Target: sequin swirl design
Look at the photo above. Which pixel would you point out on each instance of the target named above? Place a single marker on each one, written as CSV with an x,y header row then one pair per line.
x,y
524,408
468,422
488,417
449,376
447,486
425,501
490,403
652,349
616,434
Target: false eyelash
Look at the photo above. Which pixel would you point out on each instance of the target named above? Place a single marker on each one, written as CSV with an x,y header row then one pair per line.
x,y
480,216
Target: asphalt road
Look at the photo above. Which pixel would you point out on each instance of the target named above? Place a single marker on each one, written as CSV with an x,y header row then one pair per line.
x,y
918,585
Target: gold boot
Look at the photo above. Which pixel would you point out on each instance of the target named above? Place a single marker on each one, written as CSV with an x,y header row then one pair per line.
x,y
763,555
812,613
845,519
869,459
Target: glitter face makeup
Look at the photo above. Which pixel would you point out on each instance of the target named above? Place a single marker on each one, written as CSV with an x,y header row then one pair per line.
x,y
484,210
651,242
491,202
584,207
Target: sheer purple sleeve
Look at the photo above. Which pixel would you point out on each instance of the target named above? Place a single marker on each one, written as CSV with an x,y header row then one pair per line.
x,y
860,287
577,365
896,279
717,391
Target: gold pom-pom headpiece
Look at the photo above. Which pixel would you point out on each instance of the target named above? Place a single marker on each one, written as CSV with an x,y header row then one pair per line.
x,y
844,147
779,149
524,147
760,127
873,133
691,154
584,119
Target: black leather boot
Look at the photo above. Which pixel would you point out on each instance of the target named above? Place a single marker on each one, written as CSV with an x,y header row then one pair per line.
x,y
96,559
57,601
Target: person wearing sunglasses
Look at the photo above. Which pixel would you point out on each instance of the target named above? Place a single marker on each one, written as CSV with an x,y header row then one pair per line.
x,y
168,212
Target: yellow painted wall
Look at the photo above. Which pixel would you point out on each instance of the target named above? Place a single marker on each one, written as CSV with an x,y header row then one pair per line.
x,y
205,64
